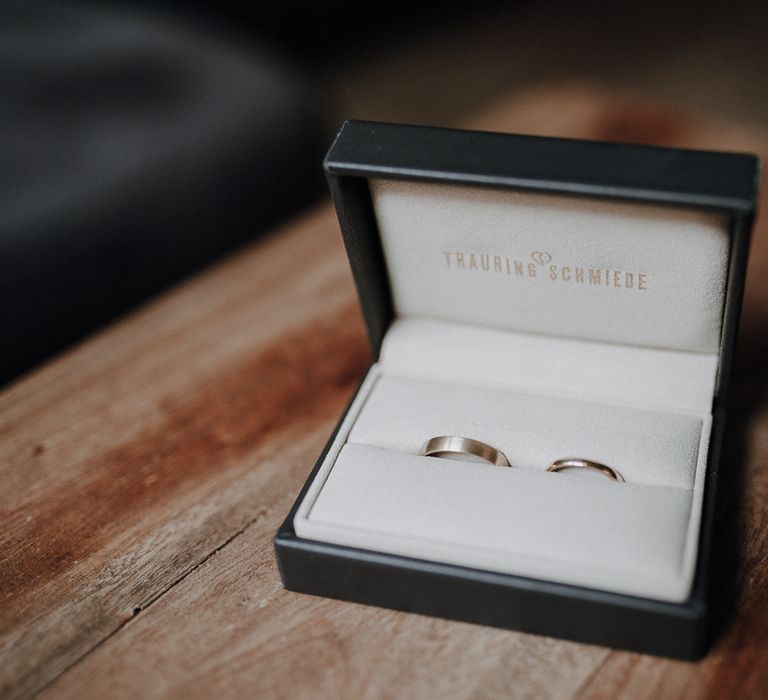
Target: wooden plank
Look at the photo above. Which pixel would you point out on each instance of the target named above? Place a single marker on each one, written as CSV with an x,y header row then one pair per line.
x,y
145,472
229,630
128,462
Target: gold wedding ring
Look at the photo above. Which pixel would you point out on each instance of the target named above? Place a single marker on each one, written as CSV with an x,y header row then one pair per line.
x,y
454,445
577,463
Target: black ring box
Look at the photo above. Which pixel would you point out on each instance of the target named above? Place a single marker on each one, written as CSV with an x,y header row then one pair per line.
x,y
711,181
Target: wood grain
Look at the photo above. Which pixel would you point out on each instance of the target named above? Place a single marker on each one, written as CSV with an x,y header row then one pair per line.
x,y
129,462
145,472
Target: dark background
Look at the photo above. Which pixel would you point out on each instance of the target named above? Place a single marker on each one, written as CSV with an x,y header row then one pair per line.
x,y
139,143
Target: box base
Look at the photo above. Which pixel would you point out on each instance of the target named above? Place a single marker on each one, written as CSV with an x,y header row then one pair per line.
x,y
677,630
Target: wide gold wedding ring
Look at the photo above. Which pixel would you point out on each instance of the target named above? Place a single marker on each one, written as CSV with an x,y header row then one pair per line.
x,y
578,463
456,446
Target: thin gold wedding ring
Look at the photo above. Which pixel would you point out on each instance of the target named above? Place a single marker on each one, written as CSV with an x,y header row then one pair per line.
x,y
446,445
578,463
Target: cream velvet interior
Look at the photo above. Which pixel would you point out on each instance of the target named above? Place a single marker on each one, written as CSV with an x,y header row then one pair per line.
x,y
514,361
677,260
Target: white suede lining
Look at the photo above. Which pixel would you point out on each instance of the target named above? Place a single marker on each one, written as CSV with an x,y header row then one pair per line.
x,y
375,492
507,345
628,538
676,260
647,447
666,380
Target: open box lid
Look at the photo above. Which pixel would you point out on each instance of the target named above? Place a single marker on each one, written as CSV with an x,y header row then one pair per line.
x,y
632,245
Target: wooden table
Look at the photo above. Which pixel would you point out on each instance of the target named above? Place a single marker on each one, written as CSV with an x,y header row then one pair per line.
x,y
145,472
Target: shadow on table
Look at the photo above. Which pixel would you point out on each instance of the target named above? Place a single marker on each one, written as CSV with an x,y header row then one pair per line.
x,y
733,553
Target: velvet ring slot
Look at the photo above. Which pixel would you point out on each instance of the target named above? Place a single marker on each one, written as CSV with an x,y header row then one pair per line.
x,y
638,538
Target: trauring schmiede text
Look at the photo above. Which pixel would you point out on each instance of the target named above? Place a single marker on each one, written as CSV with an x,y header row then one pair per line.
x,y
540,265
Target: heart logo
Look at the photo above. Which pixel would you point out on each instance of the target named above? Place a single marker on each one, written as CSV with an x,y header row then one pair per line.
x,y
540,257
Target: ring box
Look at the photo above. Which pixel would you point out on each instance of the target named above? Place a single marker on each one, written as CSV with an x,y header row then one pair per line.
x,y
552,298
